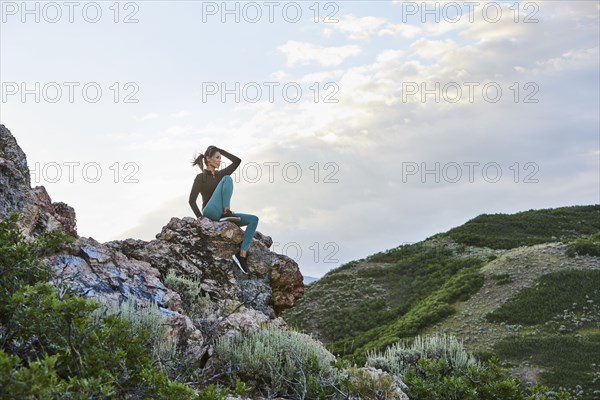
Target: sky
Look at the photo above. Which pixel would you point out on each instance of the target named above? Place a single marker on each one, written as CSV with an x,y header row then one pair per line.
x,y
361,125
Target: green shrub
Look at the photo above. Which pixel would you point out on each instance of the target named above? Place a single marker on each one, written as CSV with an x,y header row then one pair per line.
x,y
358,383
567,360
403,355
438,367
582,247
240,388
492,257
37,379
502,279
436,379
19,258
286,362
146,318
55,345
106,356
212,392
194,302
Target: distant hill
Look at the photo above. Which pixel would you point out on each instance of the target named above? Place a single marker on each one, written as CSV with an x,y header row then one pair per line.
x,y
504,283
309,279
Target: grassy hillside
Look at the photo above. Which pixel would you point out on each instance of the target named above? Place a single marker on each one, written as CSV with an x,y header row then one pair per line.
x,y
370,303
373,303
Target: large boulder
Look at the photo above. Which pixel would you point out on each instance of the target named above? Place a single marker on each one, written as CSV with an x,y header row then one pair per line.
x,y
203,250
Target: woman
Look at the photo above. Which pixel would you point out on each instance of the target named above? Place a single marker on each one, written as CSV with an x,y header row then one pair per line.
x,y
216,188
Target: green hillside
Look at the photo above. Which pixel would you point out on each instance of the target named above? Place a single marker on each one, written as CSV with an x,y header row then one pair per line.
x,y
506,231
371,303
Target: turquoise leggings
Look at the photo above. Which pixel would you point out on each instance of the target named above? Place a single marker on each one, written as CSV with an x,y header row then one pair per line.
x,y
220,200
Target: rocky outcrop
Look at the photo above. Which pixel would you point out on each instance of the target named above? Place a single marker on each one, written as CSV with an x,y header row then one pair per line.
x,y
94,270
14,174
38,213
203,250
121,269
135,269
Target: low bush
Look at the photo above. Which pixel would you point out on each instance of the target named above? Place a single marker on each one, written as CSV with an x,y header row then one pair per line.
x,y
438,367
585,247
286,362
403,355
195,302
502,279
437,379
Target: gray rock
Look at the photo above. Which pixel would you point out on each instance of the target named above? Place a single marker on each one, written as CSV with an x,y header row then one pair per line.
x,y
14,174
203,250
38,213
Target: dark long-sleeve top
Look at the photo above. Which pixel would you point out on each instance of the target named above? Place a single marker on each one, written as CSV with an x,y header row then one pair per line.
x,y
206,182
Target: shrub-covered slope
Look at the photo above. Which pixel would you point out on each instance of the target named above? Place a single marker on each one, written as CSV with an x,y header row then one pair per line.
x,y
446,284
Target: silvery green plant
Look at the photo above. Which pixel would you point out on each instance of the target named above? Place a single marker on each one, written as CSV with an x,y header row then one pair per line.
x,y
195,303
402,355
145,316
284,360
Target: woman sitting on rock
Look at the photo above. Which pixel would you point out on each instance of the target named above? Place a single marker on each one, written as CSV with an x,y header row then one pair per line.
x,y
216,188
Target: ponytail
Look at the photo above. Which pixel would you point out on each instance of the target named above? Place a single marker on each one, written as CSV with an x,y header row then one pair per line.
x,y
198,161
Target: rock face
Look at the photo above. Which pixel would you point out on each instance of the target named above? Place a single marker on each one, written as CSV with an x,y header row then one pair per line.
x,y
94,270
203,250
38,213
14,174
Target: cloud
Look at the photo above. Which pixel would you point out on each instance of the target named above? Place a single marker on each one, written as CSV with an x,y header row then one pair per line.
x,y
181,114
575,59
278,75
403,30
147,117
322,76
363,28
433,49
302,53
356,28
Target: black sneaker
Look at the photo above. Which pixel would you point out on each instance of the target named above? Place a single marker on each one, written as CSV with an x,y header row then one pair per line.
x,y
241,262
228,216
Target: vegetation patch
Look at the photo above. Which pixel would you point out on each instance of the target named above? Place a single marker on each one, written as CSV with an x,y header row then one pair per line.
x,y
54,344
575,291
389,296
569,361
424,312
502,279
585,247
506,231
438,367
